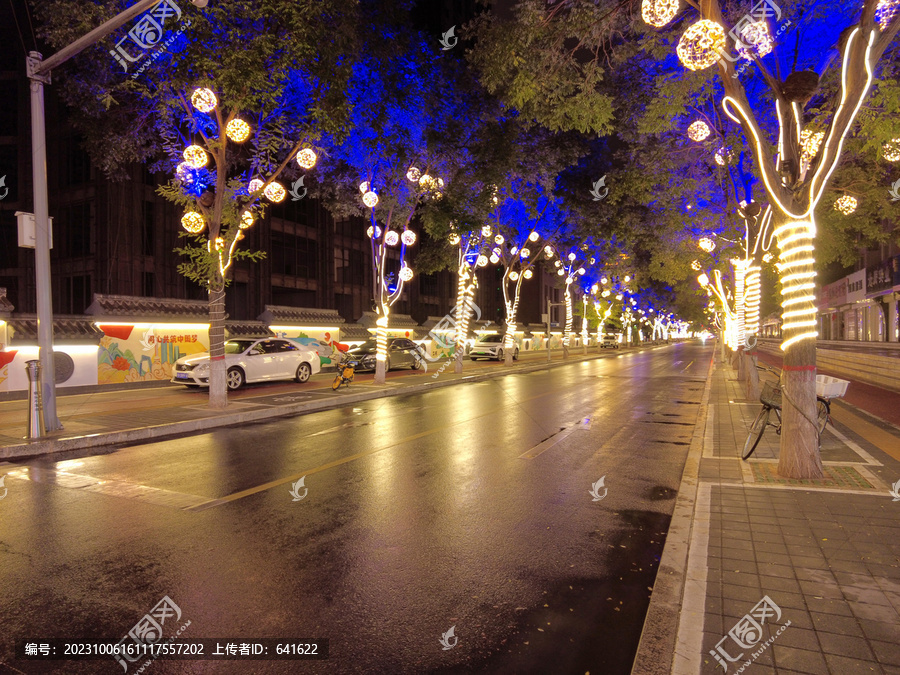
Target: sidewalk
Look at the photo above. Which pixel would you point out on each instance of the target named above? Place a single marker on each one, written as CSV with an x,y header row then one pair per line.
x,y
786,576
133,415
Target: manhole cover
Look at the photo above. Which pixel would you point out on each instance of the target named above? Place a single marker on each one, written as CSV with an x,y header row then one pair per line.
x,y
63,366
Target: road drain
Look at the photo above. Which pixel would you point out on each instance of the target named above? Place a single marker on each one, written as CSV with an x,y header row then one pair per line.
x,y
683,424
655,440
689,402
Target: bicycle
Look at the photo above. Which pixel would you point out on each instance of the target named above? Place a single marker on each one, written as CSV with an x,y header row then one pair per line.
x,y
770,397
346,370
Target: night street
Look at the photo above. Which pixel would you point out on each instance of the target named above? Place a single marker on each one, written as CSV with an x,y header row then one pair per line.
x,y
469,506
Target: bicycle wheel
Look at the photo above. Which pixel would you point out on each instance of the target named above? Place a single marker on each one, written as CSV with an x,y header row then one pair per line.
x,y
823,410
337,382
756,431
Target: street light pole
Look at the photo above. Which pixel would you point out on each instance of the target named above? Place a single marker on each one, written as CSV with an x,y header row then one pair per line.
x,y
549,305
38,72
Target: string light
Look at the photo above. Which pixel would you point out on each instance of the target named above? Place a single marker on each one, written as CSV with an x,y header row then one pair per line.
x,y
307,158
724,156
364,187
658,13
391,238
203,100
408,237
795,241
246,220
810,141
275,192
193,222
413,174
406,273
846,204
255,185
768,257
453,238
237,130
698,131
885,11
703,279
700,45
195,156
370,199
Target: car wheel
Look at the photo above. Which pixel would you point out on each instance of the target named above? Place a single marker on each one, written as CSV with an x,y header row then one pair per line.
x,y
235,378
387,364
516,355
499,354
304,371
416,364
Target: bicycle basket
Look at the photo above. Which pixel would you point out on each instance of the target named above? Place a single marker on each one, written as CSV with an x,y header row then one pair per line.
x,y
771,395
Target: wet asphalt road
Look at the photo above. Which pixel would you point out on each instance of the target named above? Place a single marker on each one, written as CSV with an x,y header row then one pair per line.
x,y
421,513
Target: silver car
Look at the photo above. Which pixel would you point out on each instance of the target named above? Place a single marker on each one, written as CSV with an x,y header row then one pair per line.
x,y
249,361
490,346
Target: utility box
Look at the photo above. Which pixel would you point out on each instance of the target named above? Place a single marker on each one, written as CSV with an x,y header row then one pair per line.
x,y
27,229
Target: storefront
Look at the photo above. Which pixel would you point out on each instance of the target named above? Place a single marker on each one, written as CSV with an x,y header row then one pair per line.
x,y
831,320
881,309
854,311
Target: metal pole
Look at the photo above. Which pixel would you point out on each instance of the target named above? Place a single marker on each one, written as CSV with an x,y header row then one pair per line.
x,y
548,328
42,245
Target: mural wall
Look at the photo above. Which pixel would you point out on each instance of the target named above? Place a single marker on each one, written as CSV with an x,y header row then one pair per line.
x,y
144,352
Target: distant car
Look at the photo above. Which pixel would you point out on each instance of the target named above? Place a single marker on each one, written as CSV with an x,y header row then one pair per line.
x,y
609,340
249,361
490,346
401,352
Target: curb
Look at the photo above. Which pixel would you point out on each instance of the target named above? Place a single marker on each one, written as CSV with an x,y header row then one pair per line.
x,y
159,431
656,651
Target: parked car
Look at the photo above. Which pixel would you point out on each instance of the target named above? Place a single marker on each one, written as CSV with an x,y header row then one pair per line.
x,y
401,352
490,346
609,340
248,361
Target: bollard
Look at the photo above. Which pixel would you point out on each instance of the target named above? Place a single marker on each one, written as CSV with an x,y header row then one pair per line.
x,y
35,400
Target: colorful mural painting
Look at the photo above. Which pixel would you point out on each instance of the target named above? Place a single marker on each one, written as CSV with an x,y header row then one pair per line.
x,y
6,357
143,352
320,340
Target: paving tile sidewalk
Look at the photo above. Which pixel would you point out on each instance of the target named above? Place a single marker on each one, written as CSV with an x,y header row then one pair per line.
x,y
788,576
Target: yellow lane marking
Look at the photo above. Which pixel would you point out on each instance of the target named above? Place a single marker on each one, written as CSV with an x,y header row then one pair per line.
x,y
885,441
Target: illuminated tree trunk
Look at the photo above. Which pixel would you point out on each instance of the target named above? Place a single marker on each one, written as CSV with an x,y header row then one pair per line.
x,y
218,389
464,291
512,308
584,324
799,456
381,335
739,279
752,296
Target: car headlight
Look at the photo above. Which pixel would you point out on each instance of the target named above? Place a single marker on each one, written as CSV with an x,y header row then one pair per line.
x,y
202,368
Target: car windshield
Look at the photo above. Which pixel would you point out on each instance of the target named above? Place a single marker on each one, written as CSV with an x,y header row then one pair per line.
x,y
367,347
237,346
494,337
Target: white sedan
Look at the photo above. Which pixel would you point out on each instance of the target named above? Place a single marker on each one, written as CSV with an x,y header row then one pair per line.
x,y
249,360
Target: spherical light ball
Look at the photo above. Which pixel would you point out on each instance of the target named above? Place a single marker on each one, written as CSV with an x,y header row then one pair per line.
x,y
486,231
513,276
534,236
700,45
525,252
237,130
549,251
413,174
756,40
768,257
891,150
408,237
255,185
698,131
376,230
571,257
557,263
440,182
195,156
606,293
275,192
193,222
370,199
528,274
885,11
482,261
203,100
307,158
426,181
706,244
724,156
696,265
659,12
246,220
626,278
454,238
494,258
406,273
391,238
846,204
604,280
581,271
364,187
560,272
514,250
499,239
183,173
